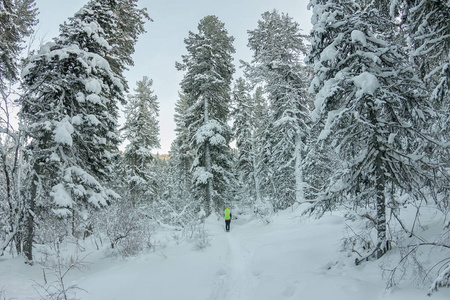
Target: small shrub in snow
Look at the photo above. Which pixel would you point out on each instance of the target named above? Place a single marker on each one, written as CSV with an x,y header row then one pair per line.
x,y
129,231
361,244
202,238
54,286
263,210
442,281
2,295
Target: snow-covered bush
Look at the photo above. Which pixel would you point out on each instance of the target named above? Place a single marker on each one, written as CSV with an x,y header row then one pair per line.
x,y
359,241
263,210
128,229
202,238
54,286
443,280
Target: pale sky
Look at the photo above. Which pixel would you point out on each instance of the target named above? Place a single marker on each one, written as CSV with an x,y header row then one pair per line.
x,y
163,44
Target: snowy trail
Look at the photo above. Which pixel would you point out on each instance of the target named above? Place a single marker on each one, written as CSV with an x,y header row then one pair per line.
x,y
241,282
284,260
288,259
235,279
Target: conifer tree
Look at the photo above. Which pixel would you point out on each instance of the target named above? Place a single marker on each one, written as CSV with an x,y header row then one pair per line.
x,y
372,110
181,151
260,120
243,130
208,73
120,30
278,48
70,112
17,18
428,31
141,130
426,28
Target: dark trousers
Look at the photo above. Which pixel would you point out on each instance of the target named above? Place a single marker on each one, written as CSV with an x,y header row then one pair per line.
x,y
227,225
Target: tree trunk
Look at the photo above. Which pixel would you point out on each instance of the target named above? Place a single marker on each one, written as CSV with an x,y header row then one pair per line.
x,y
380,185
381,208
299,196
255,175
19,209
12,231
29,216
209,186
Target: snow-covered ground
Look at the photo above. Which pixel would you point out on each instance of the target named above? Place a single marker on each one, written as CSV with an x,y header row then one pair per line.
x,y
290,258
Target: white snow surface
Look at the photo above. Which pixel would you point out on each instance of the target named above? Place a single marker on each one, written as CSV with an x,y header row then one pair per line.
x,y
359,36
366,83
290,258
63,132
93,85
60,196
329,53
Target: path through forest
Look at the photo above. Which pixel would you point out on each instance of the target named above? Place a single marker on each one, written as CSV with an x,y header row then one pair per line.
x,y
234,279
289,258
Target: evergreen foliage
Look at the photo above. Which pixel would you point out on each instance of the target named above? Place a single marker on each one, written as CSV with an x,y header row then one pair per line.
x,y
181,154
208,73
278,49
428,30
373,111
243,131
17,18
373,142
70,112
141,130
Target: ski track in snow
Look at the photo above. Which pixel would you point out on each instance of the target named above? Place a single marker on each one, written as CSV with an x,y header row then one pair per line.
x,y
235,279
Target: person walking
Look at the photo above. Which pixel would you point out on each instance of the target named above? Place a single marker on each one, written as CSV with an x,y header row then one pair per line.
x,y
228,216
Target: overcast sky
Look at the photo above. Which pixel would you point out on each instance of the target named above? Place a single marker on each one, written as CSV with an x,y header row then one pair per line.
x,y
163,44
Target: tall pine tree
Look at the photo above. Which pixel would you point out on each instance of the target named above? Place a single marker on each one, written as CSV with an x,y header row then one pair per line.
x,y
70,112
181,152
243,131
208,73
372,110
278,49
17,18
141,130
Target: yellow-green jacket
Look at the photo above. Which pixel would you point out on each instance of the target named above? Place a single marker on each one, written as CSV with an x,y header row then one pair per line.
x,y
227,214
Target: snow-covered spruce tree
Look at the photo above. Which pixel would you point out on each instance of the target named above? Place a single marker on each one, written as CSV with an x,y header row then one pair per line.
x,y
181,152
122,30
263,205
17,18
373,112
70,110
278,48
177,205
208,73
245,120
243,135
141,129
126,221
426,28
